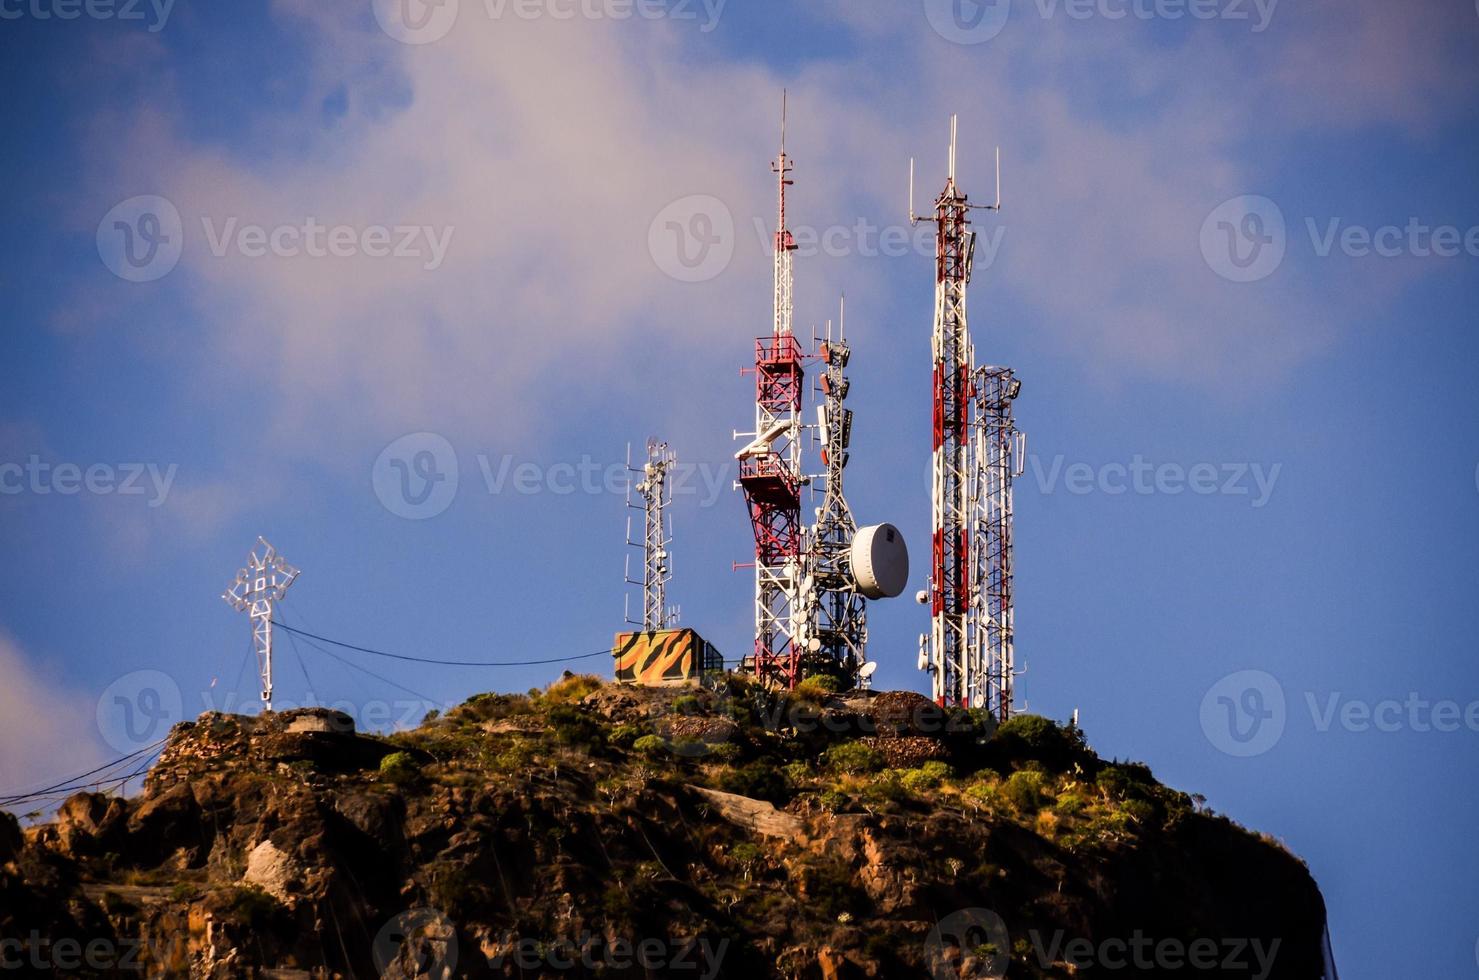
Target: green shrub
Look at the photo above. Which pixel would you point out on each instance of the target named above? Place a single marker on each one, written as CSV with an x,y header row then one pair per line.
x,y
687,704
926,777
854,757
571,687
400,767
817,687
1024,791
1126,781
724,752
623,735
652,746
572,726
797,772
758,780
1032,738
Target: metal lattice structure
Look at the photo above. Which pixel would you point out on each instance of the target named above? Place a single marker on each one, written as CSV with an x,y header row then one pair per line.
x,y
263,582
836,611
968,650
657,536
770,469
1000,453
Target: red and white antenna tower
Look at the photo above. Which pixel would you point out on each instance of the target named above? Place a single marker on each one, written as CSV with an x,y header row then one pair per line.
x,y
968,651
770,469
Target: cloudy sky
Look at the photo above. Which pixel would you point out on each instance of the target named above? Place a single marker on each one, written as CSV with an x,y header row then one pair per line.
x,y
268,266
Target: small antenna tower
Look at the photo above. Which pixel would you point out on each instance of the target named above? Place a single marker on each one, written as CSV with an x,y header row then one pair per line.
x,y
655,493
837,611
263,581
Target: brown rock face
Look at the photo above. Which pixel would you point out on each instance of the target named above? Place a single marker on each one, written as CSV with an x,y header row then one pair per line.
x,y
575,836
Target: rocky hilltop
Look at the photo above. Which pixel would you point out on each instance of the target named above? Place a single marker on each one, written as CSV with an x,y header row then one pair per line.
x,y
596,830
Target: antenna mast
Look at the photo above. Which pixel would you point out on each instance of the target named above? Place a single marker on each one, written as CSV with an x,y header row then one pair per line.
x,y
657,535
770,468
263,581
836,609
976,452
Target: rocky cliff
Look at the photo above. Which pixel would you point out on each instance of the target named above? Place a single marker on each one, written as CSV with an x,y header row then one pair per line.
x,y
596,830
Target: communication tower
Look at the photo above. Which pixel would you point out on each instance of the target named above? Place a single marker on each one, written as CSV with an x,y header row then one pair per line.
x,y
263,582
657,535
976,453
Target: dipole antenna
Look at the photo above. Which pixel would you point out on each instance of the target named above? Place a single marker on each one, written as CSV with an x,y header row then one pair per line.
x,y
263,581
656,494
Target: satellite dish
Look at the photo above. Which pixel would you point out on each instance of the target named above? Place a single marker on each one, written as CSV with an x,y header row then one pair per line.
x,y
880,561
867,669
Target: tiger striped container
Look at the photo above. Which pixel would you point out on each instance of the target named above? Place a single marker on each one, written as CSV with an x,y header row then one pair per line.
x,y
664,658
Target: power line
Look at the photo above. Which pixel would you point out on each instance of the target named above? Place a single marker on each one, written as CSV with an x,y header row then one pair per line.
x,y
73,783
447,663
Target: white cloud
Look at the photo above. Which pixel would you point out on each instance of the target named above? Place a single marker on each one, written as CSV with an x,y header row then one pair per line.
x,y
47,732
546,147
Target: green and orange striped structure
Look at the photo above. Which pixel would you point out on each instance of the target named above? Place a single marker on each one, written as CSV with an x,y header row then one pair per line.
x,y
664,657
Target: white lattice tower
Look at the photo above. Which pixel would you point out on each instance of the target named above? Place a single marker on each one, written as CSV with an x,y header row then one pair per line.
x,y
262,583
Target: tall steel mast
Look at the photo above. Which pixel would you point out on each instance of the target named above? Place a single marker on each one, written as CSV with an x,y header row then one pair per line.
x,y
968,650
770,468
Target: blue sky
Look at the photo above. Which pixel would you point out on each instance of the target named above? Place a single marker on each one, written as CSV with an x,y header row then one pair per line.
x,y
538,321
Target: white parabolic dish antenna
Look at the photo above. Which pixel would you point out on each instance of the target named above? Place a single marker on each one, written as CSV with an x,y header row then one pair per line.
x,y
880,561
